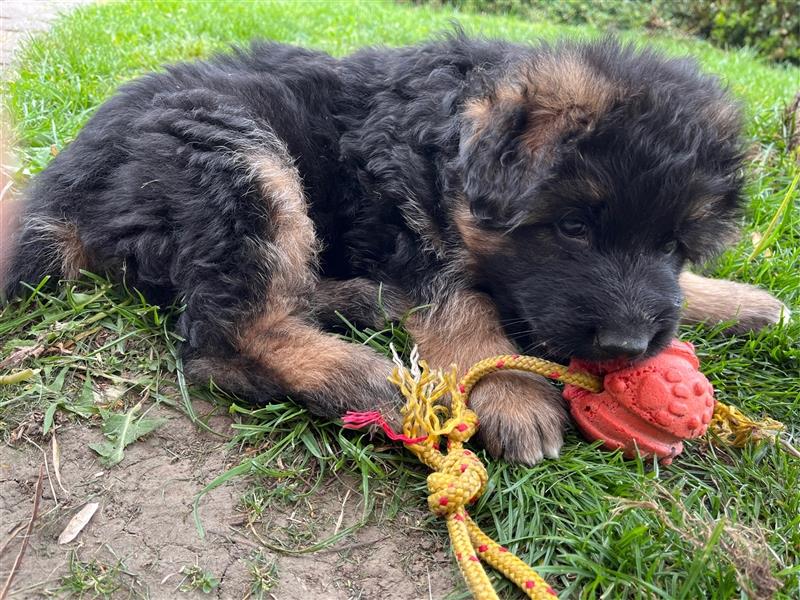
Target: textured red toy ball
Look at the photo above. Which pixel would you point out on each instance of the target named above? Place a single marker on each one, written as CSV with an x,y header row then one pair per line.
x,y
649,407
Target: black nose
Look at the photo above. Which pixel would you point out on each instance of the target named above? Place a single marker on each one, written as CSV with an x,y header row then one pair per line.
x,y
615,343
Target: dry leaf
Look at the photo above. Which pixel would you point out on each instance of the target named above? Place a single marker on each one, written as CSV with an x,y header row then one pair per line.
x,y
108,395
20,354
77,523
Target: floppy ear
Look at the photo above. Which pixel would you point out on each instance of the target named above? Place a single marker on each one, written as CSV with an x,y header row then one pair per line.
x,y
514,136
510,143
497,172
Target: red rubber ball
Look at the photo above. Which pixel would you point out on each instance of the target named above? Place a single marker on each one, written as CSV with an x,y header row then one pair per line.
x,y
649,407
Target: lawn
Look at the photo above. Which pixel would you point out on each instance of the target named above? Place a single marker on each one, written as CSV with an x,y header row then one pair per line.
x,y
713,524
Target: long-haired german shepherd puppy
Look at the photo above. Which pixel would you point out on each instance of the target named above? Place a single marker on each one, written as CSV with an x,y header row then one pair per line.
x,y
539,197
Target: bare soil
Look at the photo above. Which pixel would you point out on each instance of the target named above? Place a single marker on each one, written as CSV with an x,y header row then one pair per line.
x,y
144,525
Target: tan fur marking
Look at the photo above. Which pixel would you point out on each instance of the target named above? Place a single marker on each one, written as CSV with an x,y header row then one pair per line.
x,y
566,82
62,244
462,330
567,94
714,301
478,112
72,251
561,93
295,239
478,241
302,357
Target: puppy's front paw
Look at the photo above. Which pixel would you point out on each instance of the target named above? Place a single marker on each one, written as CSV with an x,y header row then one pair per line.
x,y
522,417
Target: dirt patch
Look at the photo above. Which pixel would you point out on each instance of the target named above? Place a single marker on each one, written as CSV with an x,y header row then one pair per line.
x,y
144,531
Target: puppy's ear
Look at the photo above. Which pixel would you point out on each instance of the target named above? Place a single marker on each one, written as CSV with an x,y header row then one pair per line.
x,y
497,172
513,137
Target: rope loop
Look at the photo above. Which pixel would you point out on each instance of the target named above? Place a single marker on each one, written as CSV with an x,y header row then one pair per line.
x,y
462,429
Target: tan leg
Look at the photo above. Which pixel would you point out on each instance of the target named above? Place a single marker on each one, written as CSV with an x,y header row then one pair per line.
x,y
277,349
521,415
714,301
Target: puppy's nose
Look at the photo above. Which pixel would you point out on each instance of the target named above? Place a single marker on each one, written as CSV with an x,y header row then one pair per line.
x,y
616,343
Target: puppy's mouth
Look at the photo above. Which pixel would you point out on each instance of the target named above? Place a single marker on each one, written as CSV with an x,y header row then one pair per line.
x,y
614,343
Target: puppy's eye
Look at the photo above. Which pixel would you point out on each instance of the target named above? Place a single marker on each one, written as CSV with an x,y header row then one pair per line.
x,y
573,228
670,247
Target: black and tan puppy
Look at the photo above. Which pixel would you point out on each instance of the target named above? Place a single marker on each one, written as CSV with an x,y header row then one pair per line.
x,y
549,195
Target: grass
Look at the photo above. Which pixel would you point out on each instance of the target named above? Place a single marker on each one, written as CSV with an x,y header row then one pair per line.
x,y
263,575
592,523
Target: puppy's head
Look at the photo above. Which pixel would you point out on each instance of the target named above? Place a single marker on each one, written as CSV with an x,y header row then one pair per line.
x,y
590,174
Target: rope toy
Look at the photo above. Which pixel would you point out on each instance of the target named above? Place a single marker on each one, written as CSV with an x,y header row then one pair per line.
x,y
459,478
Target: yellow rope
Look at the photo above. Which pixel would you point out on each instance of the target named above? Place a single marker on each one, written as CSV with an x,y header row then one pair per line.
x,y
459,477
728,424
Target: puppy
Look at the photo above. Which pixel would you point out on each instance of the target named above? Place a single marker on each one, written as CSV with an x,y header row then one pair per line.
x,y
540,197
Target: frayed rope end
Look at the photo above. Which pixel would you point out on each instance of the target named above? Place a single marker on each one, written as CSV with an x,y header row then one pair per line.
x,y
359,420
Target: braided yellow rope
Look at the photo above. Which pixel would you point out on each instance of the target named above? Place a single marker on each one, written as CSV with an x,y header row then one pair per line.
x,y
459,477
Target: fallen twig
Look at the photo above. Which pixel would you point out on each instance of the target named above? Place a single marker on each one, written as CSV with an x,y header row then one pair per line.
x,y
16,357
11,536
57,461
17,561
789,448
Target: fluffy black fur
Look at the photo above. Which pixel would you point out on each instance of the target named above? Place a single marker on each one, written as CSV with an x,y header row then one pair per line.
x,y
588,229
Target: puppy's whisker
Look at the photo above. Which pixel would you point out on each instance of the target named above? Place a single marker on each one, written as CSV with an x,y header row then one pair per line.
x,y
513,321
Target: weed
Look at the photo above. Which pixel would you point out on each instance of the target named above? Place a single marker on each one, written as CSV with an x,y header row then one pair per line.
x,y
263,575
90,579
195,578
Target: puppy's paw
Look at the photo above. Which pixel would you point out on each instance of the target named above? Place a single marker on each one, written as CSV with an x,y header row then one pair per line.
x,y
522,417
758,309
713,301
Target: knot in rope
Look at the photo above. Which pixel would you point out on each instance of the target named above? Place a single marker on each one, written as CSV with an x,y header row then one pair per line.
x,y
458,477
460,480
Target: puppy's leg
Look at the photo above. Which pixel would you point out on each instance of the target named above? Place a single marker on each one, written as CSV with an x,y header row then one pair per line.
x,y
248,320
361,301
282,356
715,301
521,415
279,351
